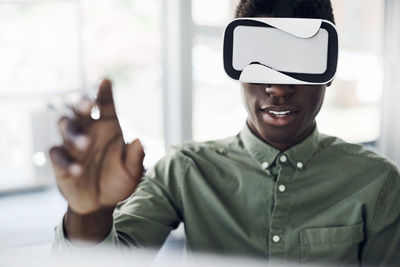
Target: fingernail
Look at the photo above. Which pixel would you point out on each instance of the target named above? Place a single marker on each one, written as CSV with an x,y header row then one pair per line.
x,y
81,142
75,169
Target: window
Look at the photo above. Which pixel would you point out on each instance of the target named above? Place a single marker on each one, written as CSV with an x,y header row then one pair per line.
x,y
217,108
352,103
39,60
53,50
122,40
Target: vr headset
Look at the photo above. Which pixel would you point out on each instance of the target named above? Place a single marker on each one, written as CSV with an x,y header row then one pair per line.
x,y
281,50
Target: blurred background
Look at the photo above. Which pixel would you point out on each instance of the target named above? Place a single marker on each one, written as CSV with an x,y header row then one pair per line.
x,y
165,59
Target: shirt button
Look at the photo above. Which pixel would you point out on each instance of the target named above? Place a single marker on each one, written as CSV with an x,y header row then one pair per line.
x,y
282,188
276,238
283,159
221,151
265,165
300,165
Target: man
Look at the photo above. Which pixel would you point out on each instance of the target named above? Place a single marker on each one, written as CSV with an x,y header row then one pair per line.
x,y
278,190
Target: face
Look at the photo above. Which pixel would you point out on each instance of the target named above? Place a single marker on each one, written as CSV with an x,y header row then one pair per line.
x,y
282,115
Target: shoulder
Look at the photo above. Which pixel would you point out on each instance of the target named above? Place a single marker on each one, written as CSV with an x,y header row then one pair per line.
x,y
356,154
180,156
191,150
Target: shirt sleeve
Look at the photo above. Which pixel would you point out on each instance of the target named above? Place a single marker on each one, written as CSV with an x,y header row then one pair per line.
x,y
61,243
382,247
146,218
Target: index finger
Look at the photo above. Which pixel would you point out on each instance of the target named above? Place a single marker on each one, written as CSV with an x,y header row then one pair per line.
x,y
105,100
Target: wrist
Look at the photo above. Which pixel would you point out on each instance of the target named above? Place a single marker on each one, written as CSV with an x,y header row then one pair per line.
x,y
88,228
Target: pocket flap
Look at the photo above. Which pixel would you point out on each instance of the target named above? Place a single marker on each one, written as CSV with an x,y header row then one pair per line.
x,y
348,234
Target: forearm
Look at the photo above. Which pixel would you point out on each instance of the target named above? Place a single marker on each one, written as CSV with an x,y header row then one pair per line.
x,y
90,228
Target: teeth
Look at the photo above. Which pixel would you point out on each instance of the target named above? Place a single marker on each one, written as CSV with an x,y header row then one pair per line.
x,y
279,113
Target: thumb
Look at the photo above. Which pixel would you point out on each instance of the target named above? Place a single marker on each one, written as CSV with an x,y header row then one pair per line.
x,y
134,155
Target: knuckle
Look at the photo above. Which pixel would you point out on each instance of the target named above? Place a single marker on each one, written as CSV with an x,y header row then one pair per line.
x,y
54,152
63,122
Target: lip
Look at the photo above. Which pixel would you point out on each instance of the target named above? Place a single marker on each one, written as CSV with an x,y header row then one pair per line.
x,y
279,120
279,108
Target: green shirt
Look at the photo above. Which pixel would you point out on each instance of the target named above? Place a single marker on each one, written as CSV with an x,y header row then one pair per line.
x,y
323,200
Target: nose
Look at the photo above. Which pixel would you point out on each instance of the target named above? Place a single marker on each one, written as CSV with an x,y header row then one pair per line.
x,y
279,90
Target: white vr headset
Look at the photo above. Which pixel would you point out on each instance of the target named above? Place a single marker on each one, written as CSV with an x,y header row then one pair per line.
x,y
281,50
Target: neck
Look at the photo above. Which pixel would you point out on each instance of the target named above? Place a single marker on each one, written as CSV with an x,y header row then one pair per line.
x,y
284,145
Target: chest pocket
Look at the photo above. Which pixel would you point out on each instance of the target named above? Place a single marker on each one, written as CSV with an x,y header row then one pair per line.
x,y
338,245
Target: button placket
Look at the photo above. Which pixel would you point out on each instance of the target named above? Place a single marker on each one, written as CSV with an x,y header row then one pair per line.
x,y
281,210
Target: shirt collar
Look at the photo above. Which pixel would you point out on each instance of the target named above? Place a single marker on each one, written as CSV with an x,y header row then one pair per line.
x,y
304,151
266,154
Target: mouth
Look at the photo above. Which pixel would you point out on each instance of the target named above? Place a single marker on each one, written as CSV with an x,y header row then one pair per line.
x,y
280,115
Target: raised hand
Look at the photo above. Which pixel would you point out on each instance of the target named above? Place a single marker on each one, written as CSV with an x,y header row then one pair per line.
x,y
94,167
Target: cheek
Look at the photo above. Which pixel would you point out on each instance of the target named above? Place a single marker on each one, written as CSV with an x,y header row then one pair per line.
x,y
248,101
319,101
316,98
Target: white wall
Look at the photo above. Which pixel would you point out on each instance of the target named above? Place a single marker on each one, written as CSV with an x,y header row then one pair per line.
x,y
389,144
